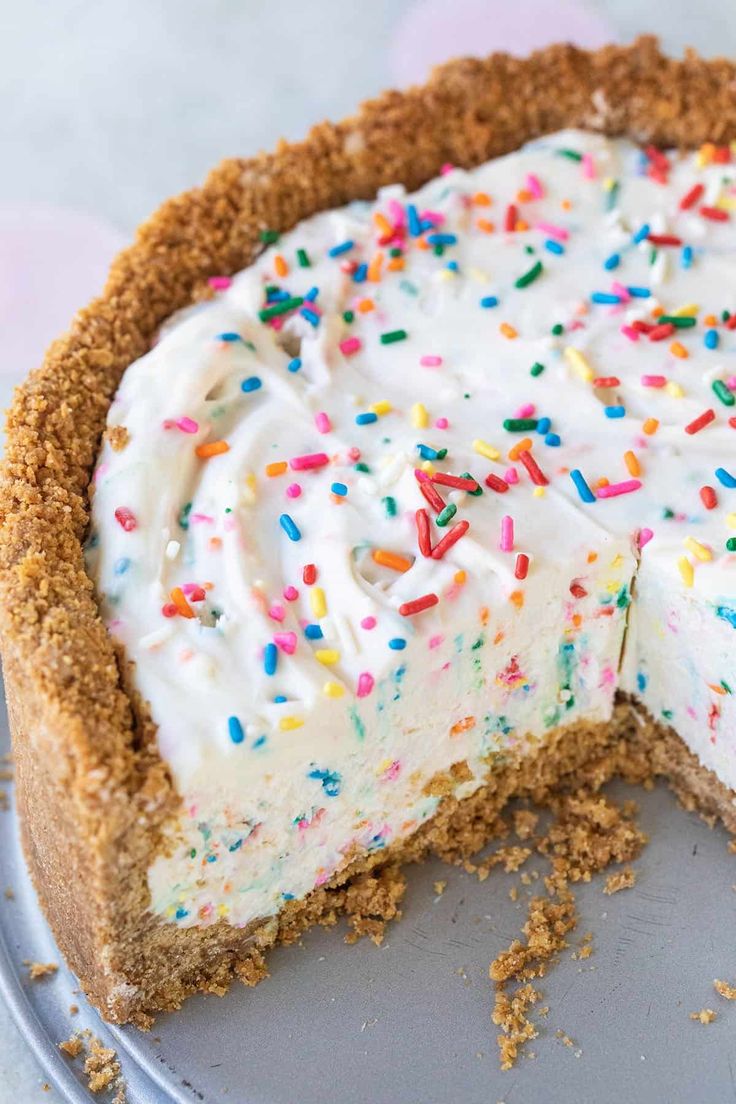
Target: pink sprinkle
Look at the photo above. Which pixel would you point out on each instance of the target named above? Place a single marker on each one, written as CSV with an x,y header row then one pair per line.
x,y
126,519
309,461
558,232
286,641
430,361
201,519
368,623
322,422
435,641
653,381
350,345
294,490
194,592
645,535
290,593
219,283
435,217
615,489
421,476
588,166
630,332
186,425
277,613
511,476
731,383
507,534
391,771
398,215
366,682
446,168
441,423
533,185
526,411
621,291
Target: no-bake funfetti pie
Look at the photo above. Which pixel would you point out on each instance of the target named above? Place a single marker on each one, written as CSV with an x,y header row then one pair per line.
x,y
393,475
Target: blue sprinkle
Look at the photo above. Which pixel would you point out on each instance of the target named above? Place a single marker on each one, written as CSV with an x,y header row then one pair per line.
x,y
311,295
229,337
337,250
313,632
361,274
253,383
686,256
641,682
259,742
181,913
544,425
294,365
330,781
276,295
397,643
582,487
413,220
288,896
211,858
453,266
489,301
612,262
366,419
279,699
641,233
727,613
604,297
339,489
552,439
427,452
442,239
639,292
235,729
614,411
121,565
290,527
725,478
270,659
553,246
310,315
710,339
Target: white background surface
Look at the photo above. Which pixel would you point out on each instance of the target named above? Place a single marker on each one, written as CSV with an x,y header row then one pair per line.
x,y
107,107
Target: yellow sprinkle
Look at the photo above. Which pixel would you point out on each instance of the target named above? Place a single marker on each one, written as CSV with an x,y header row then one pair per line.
x,y
650,426
632,463
223,909
286,724
699,550
478,275
578,362
484,449
419,416
686,570
678,349
539,492
616,563
689,310
427,466
318,602
446,274
727,203
249,489
609,183
673,389
731,521
333,690
382,407
328,656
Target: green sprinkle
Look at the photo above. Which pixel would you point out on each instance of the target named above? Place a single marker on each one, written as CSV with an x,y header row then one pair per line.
x,y
723,393
283,307
303,258
184,515
446,515
519,425
725,315
438,250
348,316
536,369
390,506
612,196
361,467
529,277
269,237
731,544
570,154
479,489
393,336
667,513
395,251
558,329
679,321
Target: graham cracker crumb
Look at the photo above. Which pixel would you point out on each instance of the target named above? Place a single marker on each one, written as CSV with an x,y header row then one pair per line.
x,y
73,1009
371,900
446,782
728,992
9,893
564,1038
439,888
525,821
38,970
704,1016
118,437
72,1047
509,1014
253,969
101,1066
622,879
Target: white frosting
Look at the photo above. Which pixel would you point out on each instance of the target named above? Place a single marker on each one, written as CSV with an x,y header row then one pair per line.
x,y
344,759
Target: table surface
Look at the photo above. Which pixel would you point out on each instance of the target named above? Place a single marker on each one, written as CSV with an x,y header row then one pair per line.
x,y
108,108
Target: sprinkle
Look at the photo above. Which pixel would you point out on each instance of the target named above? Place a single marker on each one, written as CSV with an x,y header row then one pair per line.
x,y
708,497
650,426
288,724
614,411
235,730
714,214
489,301
446,515
391,559
507,534
451,537
281,307
309,461
270,659
397,644
366,682
553,246
327,656
338,250
430,361
678,349
313,632
393,336
710,339
606,381
530,275
290,527
423,532
731,544
496,483
582,487
613,490
366,419
417,605
664,239
333,690
219,283
604,297
700,422
212,448
126,519
725,478
508,331
389,503
522,566
309,574
419,416
691,198
484,449
700,551
350,345
578,362
722,392
686,570
278,467
632,463
322,422
253,383
433,498
520,425
509,222
645,535
612,262
269,237
537,476
536,369
686,257
461,483
661,332
318,602
653,381
182,606
558,232
339,489
294,365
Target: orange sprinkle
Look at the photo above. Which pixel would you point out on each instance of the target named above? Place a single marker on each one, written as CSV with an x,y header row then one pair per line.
x,y
374,268
215,543
710,320
517,598
521,224
592,557
482,199
280,265
524,196
396,264
506,329
632,462
485,225
566,204
177,597
678,349
651,425
421,243
577,620
656,311
602,482
485,613
716,689
211,448
391,559
462,726
499,637
366,305
459,577
521,446
383,224
277,468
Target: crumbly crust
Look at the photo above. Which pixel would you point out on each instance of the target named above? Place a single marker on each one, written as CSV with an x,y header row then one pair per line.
x,y
92,790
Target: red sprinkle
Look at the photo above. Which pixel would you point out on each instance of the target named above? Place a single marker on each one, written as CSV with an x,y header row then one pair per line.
x,y
731,322
451,537
607,381
642,327
309,574
708,497
522,566
454,481
691,198
511,217
659,333
664,239
537,475
418,604
700,423
425,543
715,214
434,500
496,483
577,590
169,610
126,518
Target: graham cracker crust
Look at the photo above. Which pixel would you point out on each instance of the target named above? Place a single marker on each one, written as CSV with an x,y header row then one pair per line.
x,y
92,790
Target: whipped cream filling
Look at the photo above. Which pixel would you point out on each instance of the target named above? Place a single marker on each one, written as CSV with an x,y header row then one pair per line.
x,y
552,331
